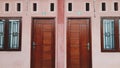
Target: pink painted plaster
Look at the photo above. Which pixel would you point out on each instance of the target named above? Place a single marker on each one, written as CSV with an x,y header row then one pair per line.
x,y
21,59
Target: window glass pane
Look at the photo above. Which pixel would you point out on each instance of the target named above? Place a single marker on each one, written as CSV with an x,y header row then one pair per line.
x,y
2,22
14,34
108,34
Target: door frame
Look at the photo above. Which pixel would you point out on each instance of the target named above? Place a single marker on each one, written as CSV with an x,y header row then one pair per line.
x,y
32,22
90,35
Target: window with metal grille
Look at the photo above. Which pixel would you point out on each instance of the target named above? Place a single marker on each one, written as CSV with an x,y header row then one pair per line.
x,y
110,34
10,34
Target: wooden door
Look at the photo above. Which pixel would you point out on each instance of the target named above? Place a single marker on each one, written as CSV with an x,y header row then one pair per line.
x,y
43,43
78,43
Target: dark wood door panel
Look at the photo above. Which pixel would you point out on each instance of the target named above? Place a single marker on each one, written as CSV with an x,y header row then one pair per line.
x,y
78,38
43,48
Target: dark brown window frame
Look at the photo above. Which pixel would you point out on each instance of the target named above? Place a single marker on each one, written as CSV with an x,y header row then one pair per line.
x,y
116,33
6,38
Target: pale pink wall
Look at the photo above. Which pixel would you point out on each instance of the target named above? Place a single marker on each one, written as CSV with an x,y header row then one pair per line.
x,y
21,59
103,60
18,59
99,59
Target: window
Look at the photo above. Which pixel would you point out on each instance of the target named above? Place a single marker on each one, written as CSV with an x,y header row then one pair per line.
x,y
34,6
10,34
6,6
51,6
69,6
18,6
116,6
110,34
87,7
103,6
